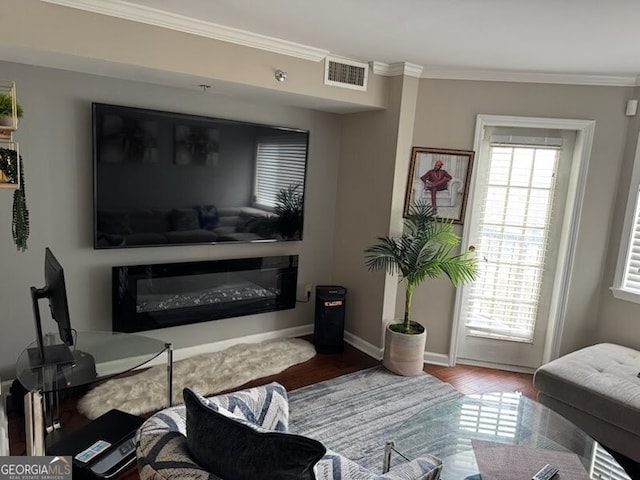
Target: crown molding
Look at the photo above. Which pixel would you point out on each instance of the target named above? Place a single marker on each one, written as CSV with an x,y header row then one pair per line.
x,y
160,18
396,69
530,77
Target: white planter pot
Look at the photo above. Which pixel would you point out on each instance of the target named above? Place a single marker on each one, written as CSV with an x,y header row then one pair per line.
x,y
403,353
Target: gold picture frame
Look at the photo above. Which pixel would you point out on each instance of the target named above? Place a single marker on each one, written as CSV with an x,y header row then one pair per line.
x,y
440,177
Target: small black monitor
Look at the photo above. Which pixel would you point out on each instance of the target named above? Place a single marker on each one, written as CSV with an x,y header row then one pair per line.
x,y
55,291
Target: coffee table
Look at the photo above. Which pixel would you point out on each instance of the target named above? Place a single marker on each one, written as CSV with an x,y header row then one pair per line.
x,y
457,431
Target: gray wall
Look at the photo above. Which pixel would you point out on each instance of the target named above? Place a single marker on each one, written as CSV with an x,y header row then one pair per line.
x,y
375,152
55,142
374,148
446,118
619,321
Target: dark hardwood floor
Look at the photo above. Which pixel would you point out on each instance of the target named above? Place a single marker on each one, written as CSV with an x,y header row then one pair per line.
x,y
466,379
469,380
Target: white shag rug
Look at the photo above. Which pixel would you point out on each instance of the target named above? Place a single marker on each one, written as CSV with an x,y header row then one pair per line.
x,y
206,374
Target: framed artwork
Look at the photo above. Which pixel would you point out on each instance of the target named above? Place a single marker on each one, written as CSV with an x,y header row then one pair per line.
x,y
124,139
440,177
195,145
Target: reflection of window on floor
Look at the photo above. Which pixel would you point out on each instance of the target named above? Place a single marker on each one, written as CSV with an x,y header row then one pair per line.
x,y
490,416
604,467
494,415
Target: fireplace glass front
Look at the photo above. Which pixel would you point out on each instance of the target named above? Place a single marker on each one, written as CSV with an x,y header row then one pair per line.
x,y
146,297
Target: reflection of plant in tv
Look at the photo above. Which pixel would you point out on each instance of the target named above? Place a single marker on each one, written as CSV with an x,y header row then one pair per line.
x,y
289,212
286,224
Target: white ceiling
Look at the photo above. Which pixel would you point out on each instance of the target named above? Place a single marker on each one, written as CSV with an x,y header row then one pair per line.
x,y
562,37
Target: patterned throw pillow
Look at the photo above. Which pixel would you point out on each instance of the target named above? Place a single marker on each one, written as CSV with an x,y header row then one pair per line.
x,y
231,449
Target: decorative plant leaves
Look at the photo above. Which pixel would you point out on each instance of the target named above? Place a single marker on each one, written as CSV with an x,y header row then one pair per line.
x,y
20,218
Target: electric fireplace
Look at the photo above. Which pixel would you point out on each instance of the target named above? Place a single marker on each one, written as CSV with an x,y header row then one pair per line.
x,y
147,297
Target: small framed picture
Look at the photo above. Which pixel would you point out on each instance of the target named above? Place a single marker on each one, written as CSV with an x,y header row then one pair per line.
x,y
196,145
440,177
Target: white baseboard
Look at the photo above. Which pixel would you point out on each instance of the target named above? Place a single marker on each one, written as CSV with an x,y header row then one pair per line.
x,y
436,359
377,353
350,338
182,353
186,352
363,345
496,366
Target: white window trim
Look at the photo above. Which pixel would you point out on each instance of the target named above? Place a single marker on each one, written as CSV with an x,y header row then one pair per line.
x,y
617,289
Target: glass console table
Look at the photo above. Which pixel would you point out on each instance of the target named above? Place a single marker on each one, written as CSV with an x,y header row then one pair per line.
x,y
112,353
474,433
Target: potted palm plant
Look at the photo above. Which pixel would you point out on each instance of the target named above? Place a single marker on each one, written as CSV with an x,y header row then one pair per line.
x,y
425,249
6,110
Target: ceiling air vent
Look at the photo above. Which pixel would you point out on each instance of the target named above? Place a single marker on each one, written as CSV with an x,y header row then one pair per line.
x,y
345,73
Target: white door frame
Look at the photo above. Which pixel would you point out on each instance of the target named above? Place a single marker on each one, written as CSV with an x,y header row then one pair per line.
x,y
573,210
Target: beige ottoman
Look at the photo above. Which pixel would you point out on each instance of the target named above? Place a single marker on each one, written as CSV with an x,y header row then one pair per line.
x,y
598,389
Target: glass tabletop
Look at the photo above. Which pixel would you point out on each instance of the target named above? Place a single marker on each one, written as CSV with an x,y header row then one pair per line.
x,y
97,356
469,431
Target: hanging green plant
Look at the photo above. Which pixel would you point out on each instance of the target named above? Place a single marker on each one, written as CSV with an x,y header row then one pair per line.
x,y
14,173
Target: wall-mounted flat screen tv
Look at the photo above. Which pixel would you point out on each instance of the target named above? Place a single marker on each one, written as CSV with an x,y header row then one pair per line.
x,y
163,178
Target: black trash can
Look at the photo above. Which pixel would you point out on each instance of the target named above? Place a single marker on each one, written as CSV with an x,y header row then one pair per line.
x,y
328,332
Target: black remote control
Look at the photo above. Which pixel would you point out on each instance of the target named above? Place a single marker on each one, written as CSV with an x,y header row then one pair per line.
x,y
545,473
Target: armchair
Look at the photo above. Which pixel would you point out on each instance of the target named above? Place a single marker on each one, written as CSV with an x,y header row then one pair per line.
x,y
444,198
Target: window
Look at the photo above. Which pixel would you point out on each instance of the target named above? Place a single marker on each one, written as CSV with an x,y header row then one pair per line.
x,y
280,163
513,232
626,284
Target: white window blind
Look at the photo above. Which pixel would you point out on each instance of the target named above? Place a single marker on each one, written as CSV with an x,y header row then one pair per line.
x,y
631,280
626,284
280,163
512,239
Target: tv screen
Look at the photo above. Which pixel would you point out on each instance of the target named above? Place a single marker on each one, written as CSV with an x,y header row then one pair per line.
x,y
163,178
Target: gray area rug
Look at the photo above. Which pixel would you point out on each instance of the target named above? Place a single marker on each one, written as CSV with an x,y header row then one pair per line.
x,y
356,414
